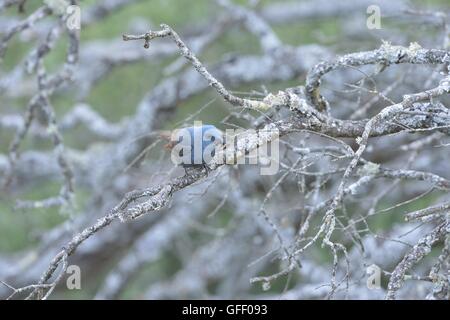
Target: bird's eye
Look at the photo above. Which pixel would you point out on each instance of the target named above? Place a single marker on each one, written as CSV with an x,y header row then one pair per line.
x,y
213,138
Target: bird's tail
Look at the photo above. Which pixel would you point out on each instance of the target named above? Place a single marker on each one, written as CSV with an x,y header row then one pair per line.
x,y
166,135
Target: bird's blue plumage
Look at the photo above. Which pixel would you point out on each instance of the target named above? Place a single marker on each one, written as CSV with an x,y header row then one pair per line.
x,y
196,145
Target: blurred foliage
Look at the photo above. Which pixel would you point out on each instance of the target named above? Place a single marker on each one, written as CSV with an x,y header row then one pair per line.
x,y
119,94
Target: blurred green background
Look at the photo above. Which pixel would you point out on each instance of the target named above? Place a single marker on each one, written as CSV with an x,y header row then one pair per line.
x,y
120,92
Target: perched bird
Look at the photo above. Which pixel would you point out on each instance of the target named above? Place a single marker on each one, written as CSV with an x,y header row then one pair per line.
x,y
193,146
